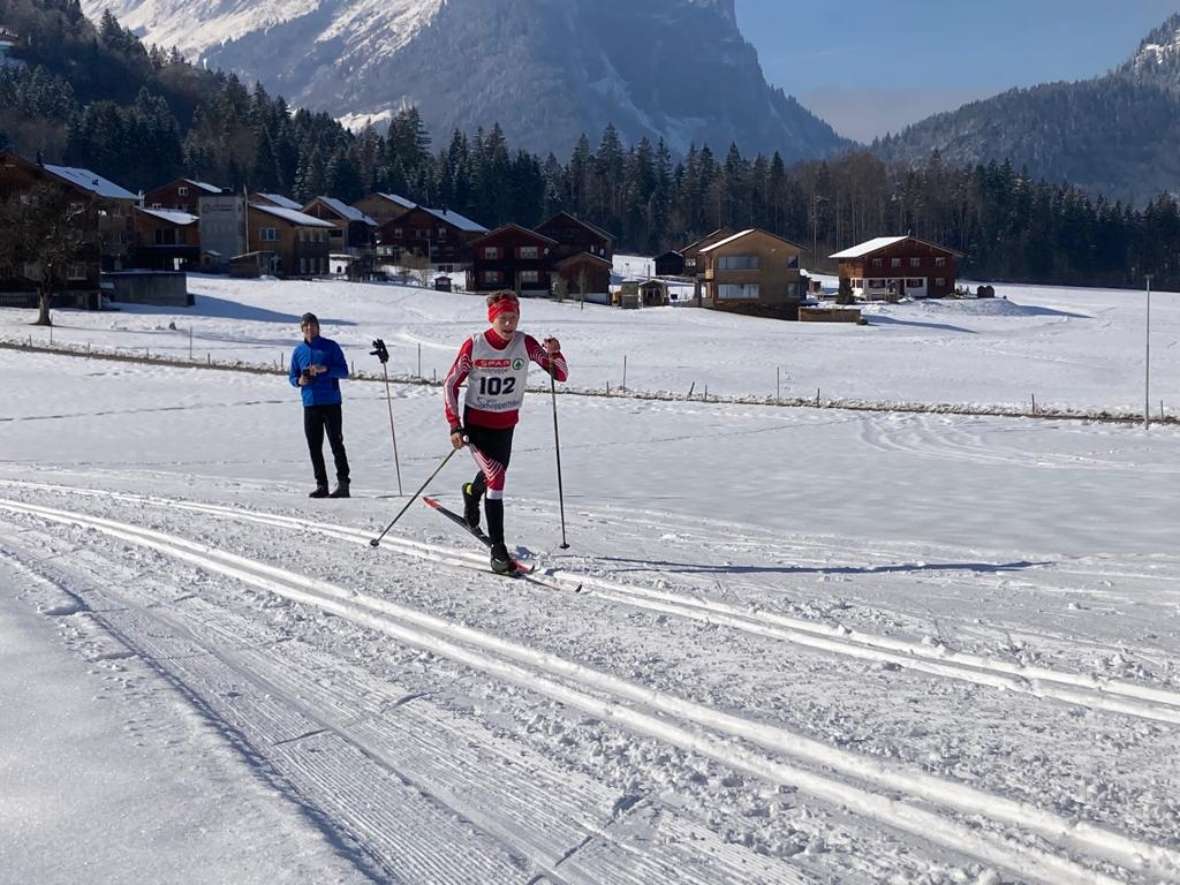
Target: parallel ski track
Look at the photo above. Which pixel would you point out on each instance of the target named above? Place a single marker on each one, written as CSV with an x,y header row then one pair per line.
x,y
695,727
1114,696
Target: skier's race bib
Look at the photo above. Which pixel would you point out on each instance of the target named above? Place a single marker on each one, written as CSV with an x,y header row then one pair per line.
x,y
497,378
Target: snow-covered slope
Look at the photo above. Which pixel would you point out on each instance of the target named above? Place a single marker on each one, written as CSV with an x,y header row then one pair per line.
x,y
546,71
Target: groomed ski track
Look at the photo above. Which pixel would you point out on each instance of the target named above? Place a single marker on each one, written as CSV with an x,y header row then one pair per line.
x,y
926,807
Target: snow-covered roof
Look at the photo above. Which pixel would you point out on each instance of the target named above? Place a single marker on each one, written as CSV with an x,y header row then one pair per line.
x,y
88,180
868,247
205,186
400,200
745,233
345,211
457,220
295,216
280,200
172,216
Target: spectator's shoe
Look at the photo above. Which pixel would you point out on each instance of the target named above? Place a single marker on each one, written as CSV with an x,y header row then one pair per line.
x,y
470,507
320,492
341,490
501,562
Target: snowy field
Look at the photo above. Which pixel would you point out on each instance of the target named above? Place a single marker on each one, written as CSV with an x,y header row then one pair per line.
x,y
809,646
1070,348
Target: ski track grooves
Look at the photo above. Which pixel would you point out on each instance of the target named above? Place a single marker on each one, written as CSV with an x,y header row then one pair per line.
x,y
1115,696
548,674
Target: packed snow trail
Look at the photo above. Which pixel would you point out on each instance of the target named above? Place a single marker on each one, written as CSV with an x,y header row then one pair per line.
x,y
550,675
1116,696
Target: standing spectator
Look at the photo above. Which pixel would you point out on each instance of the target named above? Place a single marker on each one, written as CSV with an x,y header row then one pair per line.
x,y
317,365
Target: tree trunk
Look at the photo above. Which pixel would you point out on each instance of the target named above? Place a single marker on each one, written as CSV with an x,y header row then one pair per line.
x,y
44,296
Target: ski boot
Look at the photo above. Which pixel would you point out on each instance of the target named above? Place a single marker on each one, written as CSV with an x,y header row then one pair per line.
x,y
501,562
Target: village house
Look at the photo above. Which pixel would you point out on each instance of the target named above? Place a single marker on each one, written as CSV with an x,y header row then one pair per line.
x,y
166,239
897,267
182,195
440,237
511,257
102,211
753,272
353,232
384,207
670,264
299,242
693,265
583,256
279,200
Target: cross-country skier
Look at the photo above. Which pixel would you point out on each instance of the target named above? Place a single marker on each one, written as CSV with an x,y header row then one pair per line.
x,y
317,365
495,365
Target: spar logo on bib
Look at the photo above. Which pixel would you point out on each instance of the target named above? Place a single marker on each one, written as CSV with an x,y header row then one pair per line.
x,y
517,364
497,364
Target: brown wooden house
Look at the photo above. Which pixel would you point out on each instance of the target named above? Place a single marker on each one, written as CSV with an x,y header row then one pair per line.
x,y
897,267
353,232
166,239
442,237
754,272
584,274
100,209
693,266
181,195
299,241
573,235
384,207
670,264
511,257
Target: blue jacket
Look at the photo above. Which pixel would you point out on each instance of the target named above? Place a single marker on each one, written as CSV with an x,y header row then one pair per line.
x,y
325,389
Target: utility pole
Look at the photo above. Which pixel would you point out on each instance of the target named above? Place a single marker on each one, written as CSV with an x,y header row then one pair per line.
x,y
1147,362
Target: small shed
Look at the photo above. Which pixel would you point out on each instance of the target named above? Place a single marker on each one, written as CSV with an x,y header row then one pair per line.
x,y
442,284
653,293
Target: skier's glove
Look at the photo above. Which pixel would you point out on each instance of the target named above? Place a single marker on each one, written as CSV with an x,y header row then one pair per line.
x,y
380,351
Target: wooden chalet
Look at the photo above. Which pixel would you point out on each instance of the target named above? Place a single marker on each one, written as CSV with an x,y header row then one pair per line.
x,y
353,232
670,264
384,207
754,272
442,237
100,209
181,195
573,235
166,239
693,266
584,274
299,242
898,267
511,257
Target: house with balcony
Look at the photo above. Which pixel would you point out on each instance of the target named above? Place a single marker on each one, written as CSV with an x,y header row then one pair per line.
x,y
439,236
353,232
166,239
888,268
512,257
297,242
384,207
753,272
181,195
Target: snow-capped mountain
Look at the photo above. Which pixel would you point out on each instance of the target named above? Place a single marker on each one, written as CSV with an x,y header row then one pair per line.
x,y
1158,58
546,70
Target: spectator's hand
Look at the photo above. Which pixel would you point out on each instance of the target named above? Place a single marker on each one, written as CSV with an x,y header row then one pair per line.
x,y
304,380
317,369
457,439
552,346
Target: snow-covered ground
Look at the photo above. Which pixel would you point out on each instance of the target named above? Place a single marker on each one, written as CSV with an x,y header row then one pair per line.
x,y
1070,348
809,646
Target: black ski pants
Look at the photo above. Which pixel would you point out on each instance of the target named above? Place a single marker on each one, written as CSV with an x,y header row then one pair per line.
x,y
492,450
316,420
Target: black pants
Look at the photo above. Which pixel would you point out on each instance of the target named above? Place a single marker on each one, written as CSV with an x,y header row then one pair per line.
x,y
496,448
317,419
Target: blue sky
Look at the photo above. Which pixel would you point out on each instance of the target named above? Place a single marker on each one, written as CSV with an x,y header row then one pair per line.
x,y
868,67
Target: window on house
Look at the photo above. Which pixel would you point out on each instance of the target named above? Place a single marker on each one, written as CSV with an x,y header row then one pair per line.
x,y
738,262
737,291
915,262
915,284
940,282
268,235
157,205
877,262
491,253
76,272
165,237
895,262
397,233
335,233
442,233
182,191
858,284
492,277
527,253
876,284
31,271
530,276
940,262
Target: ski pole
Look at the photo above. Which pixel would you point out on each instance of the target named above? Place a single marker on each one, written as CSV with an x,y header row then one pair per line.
x,y
380,351
557,449
376,542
